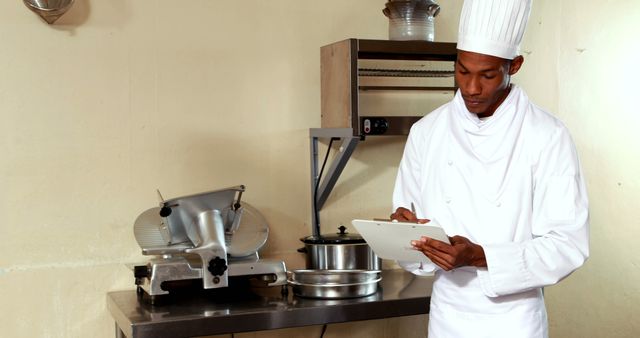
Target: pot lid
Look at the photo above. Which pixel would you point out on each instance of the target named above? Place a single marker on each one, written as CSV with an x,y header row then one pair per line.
x,y
341,237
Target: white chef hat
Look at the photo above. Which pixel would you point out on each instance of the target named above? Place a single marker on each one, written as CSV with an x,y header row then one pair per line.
x,y
493,27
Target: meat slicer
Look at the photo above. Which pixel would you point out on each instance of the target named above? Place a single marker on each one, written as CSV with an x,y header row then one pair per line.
x,y
209,236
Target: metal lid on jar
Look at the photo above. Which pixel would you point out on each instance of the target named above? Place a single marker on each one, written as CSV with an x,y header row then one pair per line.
x,y
341,237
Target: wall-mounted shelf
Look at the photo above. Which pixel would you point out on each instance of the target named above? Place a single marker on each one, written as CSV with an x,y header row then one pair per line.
x,y
404,72
345,64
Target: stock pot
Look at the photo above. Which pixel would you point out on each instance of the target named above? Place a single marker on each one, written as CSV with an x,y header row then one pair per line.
x,y
339,251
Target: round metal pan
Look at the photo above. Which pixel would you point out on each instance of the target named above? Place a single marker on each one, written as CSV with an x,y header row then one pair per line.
x,y
334,284
334,291
324,277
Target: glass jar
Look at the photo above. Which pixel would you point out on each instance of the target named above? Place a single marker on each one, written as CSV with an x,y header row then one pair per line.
x,y
411,19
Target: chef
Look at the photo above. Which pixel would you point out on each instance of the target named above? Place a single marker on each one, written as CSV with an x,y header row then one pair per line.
x,y
502,177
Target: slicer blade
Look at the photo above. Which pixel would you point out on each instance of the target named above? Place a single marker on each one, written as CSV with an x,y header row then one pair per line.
x,y
250,235
151,232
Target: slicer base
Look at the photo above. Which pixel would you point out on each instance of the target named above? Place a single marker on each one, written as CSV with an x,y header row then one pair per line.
x,y
163,275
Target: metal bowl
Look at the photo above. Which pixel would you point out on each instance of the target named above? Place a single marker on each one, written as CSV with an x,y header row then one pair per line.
x,y
334,284
49,10
334,291
324,277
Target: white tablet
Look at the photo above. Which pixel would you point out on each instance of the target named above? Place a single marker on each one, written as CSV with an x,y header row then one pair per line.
x,y
392,240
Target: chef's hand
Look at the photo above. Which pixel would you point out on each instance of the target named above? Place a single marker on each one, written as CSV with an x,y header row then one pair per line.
x,y
406,215
461,252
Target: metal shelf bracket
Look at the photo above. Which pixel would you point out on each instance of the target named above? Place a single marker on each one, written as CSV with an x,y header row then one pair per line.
x,y
330,176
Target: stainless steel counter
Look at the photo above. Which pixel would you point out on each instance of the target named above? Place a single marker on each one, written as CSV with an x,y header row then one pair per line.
x,y
400,294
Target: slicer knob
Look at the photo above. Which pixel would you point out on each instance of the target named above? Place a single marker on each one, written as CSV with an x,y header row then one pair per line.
x,y
217,266
165,211
140,272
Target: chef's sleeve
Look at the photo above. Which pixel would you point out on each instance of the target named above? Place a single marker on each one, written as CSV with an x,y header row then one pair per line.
x,y
560,227
419,269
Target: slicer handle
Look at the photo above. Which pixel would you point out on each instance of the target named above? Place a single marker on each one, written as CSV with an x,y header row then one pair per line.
x,y
211,230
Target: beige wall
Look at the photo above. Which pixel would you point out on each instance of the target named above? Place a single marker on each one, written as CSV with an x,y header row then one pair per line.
x,y
122,97
597,93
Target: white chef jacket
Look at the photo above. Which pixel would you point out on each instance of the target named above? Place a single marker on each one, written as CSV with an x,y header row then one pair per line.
x,y
512,184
